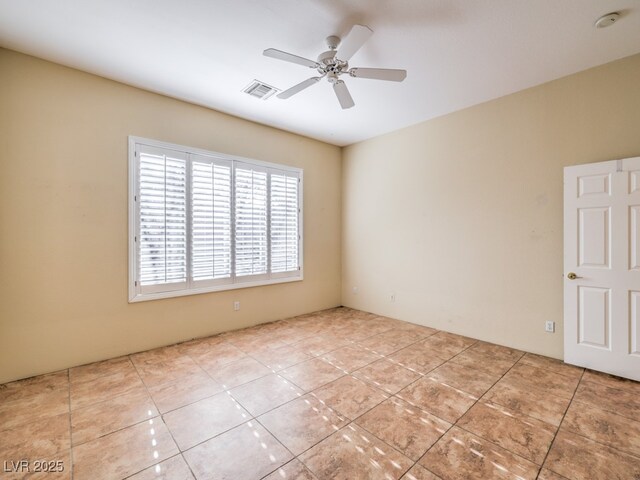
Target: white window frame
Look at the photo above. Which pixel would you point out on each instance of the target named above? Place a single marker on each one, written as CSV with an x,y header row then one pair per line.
x,y
135,293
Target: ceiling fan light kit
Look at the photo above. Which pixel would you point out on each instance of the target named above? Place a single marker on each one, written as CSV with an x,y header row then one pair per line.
x,y
335,62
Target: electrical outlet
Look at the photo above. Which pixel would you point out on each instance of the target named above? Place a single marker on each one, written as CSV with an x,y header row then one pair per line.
x,y
393,297
236,306
550,327
355,290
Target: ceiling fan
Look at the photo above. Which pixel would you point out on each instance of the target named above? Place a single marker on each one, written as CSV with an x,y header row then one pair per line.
x,y
335,62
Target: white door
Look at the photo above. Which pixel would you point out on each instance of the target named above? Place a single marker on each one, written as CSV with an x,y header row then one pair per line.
x,y
602,266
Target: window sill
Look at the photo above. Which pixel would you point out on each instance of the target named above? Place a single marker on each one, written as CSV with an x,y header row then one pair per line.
x,y
217,288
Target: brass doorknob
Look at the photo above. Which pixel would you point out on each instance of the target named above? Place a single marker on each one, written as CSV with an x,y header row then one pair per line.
x,y
571,276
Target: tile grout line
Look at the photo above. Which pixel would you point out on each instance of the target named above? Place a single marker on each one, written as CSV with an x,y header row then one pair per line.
x,y
386,357
236,400
278,373
297,457
390,395
118,430
499,446
107,398
456,422
251,418
422,376
166,459
560,425
557,429
70,423
293,455
72,444
146,387
291,460
310,392
604,409
353,422
395,395
578,434
255,418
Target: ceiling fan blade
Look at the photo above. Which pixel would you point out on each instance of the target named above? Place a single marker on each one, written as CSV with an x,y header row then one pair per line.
x,y
354,40
342,92
289,57
389,74
298,88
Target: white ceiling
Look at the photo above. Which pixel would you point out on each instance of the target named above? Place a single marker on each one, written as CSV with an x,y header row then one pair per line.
x,y
457,52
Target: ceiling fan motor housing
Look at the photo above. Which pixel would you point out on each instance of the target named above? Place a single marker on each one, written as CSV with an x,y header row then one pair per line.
x,y
325,58
329,65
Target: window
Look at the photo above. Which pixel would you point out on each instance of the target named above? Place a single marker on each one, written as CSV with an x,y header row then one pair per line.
x,y
201,221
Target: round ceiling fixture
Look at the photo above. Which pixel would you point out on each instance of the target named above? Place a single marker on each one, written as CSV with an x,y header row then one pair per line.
x,y
607,20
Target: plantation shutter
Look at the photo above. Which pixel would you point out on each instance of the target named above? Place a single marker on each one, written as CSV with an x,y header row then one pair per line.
x,y
251,231
162,220
284,221
210,220
203,221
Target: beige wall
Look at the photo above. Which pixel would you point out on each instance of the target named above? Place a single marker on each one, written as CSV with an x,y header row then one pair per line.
x,y
63,219
461,216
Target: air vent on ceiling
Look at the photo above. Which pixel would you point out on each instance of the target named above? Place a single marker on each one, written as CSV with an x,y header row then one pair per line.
x,y
260,90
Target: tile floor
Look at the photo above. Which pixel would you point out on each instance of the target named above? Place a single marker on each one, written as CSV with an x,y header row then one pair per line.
x,y
335,394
